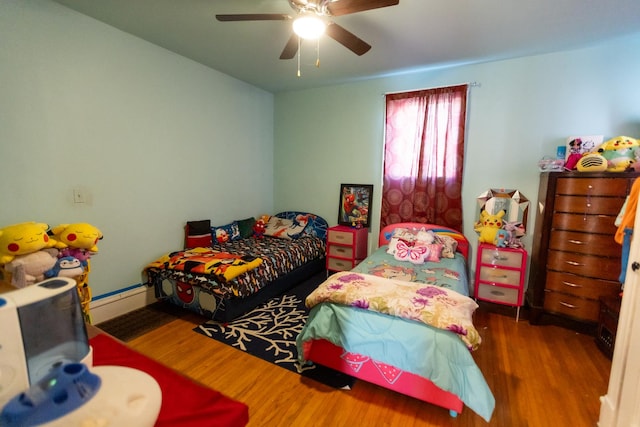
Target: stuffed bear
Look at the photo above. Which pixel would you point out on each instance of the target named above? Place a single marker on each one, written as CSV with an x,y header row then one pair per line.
x,y
22,239
488,226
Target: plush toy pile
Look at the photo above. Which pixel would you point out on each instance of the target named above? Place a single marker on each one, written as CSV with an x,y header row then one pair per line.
x,y
615,155
493,230
31,252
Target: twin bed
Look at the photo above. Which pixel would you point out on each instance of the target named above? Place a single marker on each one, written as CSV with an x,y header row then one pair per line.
x,y
401,319
403,322
230,278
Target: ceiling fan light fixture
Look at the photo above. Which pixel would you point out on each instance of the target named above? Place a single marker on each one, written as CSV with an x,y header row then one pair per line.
x,y
309,26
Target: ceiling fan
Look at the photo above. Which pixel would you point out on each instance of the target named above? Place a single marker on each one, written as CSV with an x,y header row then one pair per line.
x,y
317,13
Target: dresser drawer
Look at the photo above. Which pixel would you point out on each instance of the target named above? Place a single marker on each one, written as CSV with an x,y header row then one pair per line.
x,y
584,243
579,286
498,294
341,251
593,187
340,237
499,275
501,258
589,205
584,265
583,309
336,264
603,224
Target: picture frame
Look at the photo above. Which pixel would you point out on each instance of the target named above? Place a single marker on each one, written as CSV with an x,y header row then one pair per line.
x,y
355,201
514,204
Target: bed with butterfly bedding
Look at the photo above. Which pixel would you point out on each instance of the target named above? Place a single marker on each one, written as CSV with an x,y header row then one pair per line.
x,y
226,279
402,319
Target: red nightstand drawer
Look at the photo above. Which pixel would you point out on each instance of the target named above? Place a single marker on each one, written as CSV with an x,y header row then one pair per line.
x,y
346,247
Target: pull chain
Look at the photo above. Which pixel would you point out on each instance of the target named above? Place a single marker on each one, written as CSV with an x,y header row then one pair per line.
x,y
299,48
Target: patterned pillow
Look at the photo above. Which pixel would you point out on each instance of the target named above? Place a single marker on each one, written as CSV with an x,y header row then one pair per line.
x,y
283,228
449,245
419,253
225,233
410,236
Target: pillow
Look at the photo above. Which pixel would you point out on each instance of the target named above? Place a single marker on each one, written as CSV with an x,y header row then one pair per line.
x,y
246,227
419,253
198,234
449,245
283,228
226,233
410,236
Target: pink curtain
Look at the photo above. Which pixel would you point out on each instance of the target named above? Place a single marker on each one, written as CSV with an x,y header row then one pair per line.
x,y
423,157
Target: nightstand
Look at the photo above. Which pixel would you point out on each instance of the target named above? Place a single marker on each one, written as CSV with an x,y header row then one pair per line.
x,y
500,274
346,247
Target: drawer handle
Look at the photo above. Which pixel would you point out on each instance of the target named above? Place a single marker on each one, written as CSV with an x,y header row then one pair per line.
x,y
573,285
566,304
339,237
498,276
497,257
574,263
340,250
576,242
497,293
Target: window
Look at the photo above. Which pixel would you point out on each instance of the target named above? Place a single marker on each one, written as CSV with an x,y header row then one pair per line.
x,y
423,157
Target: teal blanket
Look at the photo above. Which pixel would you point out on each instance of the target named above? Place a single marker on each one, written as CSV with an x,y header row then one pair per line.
x,y
411,346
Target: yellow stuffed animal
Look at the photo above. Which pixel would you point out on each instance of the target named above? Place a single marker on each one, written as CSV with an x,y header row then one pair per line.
x,y
488,226
80,235
619,153
23,238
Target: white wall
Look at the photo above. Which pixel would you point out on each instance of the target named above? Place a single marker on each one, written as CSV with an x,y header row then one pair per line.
x,y
152,138
521,111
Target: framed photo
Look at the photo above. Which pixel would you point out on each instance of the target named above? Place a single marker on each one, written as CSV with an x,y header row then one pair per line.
x,y
354,205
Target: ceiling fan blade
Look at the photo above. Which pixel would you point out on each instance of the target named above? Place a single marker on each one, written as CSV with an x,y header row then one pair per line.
x,y
345,7
254,17
347,39
291,48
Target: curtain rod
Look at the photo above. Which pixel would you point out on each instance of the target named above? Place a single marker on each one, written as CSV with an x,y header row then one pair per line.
x,y
471,84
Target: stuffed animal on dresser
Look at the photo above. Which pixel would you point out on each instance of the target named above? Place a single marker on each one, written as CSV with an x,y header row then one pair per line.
x,y
488,226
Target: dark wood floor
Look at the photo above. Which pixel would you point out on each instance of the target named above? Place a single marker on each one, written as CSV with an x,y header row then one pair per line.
x,y
540,376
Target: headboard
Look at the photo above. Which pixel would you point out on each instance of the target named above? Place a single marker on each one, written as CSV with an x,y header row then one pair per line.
x,y
463,243
316,225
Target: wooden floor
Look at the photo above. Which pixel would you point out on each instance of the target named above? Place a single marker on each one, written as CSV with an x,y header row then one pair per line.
x,y
540,376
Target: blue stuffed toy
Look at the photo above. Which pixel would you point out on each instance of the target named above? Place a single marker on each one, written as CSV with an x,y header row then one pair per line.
x,y
66,267
502,238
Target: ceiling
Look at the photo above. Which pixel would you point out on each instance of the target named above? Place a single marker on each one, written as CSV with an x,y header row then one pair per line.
x,y
415,34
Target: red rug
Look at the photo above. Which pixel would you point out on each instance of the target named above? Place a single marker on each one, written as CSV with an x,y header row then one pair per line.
x,y
185,403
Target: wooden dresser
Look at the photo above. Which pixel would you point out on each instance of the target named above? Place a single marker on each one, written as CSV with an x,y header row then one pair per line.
x,y
575,260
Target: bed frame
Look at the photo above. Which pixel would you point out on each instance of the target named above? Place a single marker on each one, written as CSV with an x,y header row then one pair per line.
x,y
327,354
